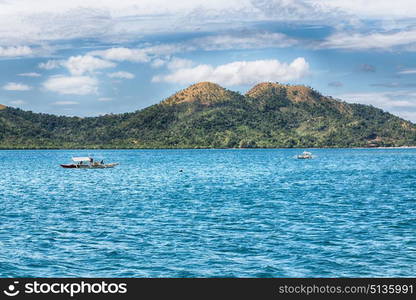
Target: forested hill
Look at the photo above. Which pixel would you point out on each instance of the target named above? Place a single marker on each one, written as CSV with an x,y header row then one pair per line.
x,y
205,115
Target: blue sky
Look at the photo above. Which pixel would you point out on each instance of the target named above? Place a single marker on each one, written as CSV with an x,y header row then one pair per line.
x,y
94,57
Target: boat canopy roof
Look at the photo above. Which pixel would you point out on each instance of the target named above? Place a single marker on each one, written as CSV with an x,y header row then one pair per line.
x,y
81,158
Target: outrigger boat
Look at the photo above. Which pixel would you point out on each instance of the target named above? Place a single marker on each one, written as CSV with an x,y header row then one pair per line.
x,y
305,155
87,163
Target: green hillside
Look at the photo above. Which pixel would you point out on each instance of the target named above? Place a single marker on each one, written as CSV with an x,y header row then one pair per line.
x,y
206,115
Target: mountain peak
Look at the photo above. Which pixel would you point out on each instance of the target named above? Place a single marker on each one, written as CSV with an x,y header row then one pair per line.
x,y
295,93
264,88
203,92
2,106
205,84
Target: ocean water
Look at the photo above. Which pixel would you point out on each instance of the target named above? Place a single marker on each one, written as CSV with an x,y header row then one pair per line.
x,y
230,213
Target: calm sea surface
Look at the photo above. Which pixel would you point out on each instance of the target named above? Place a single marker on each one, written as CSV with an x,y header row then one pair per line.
x,y
242,213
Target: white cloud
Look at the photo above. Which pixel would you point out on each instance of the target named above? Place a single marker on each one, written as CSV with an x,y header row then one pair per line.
x,y
159,54
239,72
145,54
378,40
15,51
14,86
33,22
72,85
409,115
65,103
169,49
31,74
17,102
373,8
123,54
408,71
157,63
78,65
179,63
46,20
50,64
105,99
121,74
401,103
24,51
244,40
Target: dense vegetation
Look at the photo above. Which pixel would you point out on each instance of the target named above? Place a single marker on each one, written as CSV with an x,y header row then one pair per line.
x,y
206,115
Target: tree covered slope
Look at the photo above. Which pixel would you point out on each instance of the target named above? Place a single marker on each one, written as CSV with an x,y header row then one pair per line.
x,y
207,115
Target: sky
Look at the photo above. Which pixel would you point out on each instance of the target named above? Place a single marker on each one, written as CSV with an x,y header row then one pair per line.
x,y
93,57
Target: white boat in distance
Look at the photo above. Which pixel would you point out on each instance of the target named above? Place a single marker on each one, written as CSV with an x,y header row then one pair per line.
x,y
305,155
87,163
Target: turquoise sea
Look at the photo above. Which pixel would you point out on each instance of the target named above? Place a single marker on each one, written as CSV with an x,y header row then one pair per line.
x,y
230,213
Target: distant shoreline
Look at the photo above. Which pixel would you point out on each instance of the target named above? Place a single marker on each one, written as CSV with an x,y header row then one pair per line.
x,y
213,148
401,147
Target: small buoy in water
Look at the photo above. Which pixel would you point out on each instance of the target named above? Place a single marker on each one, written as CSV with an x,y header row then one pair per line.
x,y
180,171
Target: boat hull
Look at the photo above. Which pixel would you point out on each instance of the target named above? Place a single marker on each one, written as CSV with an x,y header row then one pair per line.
x,y
71,166
98,166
